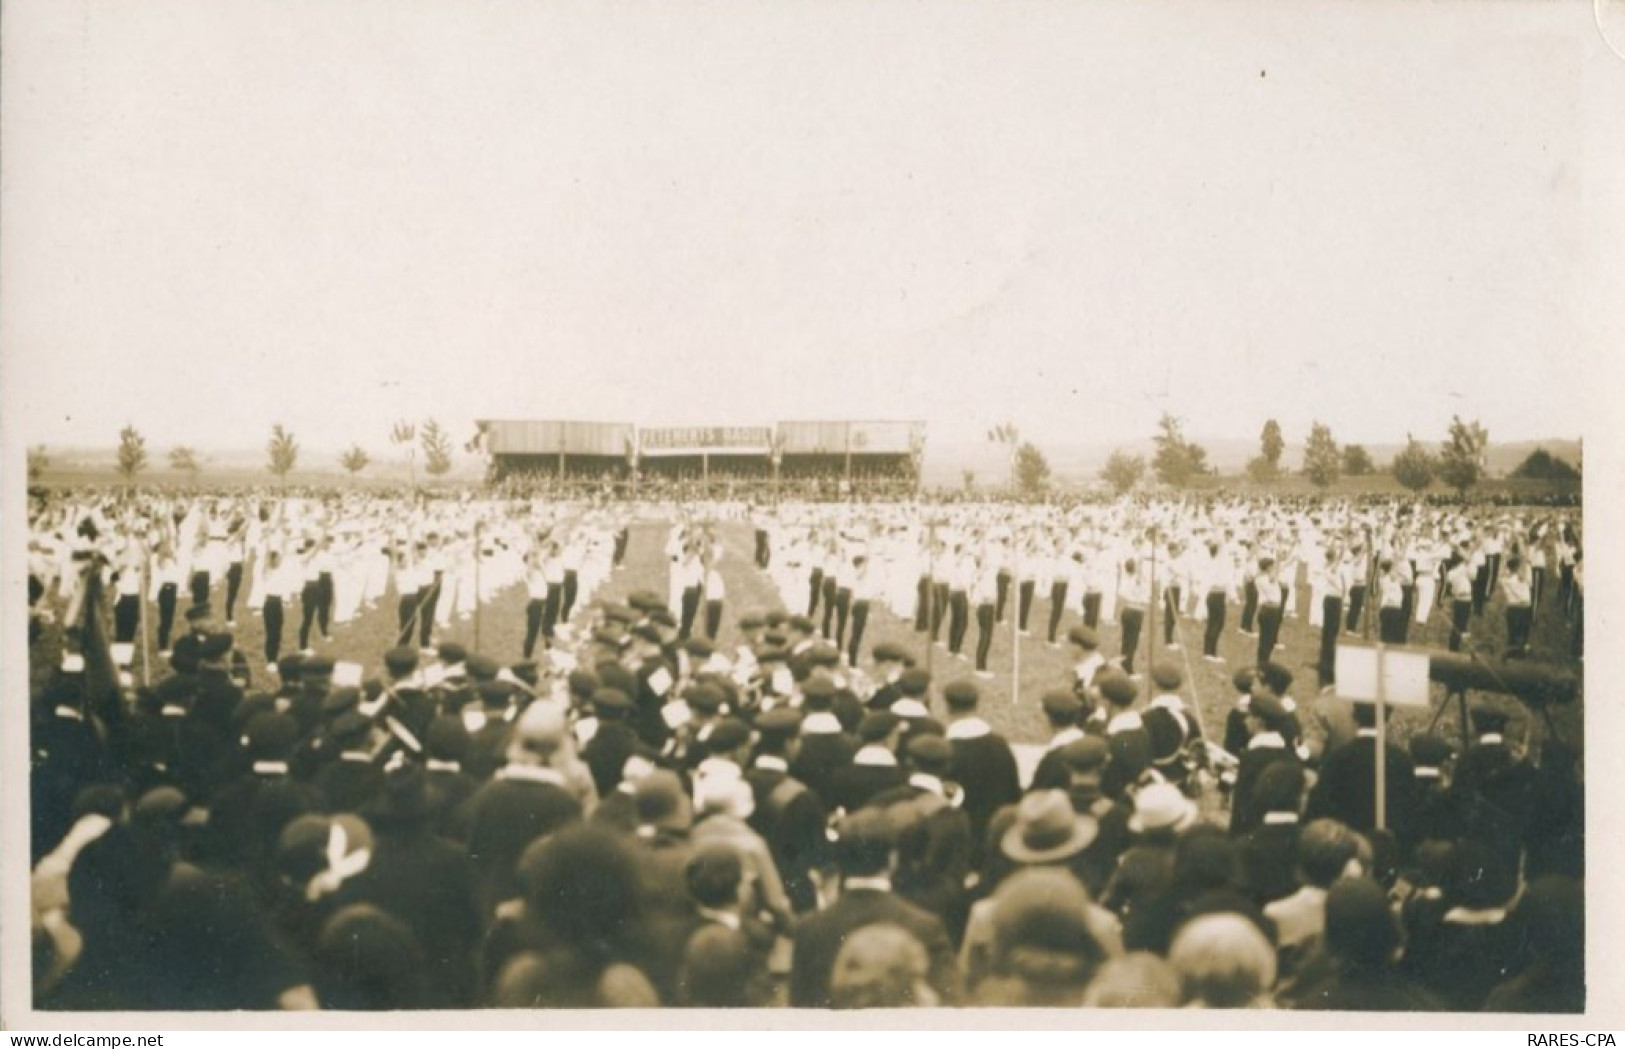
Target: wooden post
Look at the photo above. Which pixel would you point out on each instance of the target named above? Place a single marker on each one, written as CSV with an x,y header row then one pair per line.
x,y
1382,743
146,652
478,594
1151,610
1015,620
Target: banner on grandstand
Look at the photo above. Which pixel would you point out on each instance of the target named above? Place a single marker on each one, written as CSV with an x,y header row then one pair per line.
x,y
549,437
695,440
858,438
882,438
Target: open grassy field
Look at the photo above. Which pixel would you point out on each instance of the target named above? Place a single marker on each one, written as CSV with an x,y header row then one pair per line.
x,y
500,633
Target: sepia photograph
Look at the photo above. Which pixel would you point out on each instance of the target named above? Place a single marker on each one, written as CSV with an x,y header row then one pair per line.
x,y
790,508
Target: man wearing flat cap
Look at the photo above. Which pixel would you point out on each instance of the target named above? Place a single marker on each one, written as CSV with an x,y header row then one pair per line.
x,y
1268,726
983,763
1063,712
874,768
865,855
788,815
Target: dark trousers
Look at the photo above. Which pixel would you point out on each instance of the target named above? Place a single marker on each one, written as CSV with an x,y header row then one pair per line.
x,y
860,619
691,608
310,601
533,623
958,619
939,608
1332,615
1460,617
1091,609
1171,600
1057,607
922,604
815,587
324,602
1407,601
1391,625
1024,604
1481,587
1577,645
1002,590
620,547
572,587
406,617
1566,590
166,614
1215,622
1493,562
1356,607
1269,631
713,619
843,608
986,615
1537,585
1133,619
1249,607
832,590
126,618
200,588
272,612
551,605
234,586
763,555
1519,618
426,610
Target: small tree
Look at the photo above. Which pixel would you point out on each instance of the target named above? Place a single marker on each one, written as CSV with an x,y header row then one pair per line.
x,y
1357,461
1322,458
1123,471
1271,444
1541,465
1261,470
968,479
183,459
1177,460
1413,467
1032,469
436,449
282,451
1461,456
38,463
132,453
404,435
355,460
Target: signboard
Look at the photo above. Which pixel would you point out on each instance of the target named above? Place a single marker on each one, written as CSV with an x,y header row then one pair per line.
x,y
1404,675
705,438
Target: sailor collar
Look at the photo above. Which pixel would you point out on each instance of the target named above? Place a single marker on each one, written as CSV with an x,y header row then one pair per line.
x,y
1065,736
772,763
875,756
968,728
1267,740
820,723
532,774
1128,721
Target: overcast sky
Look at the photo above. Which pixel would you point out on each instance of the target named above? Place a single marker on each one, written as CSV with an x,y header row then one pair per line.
x,y
1072,215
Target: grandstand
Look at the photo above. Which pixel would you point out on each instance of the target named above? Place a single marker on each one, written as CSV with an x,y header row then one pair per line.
x,y
844,456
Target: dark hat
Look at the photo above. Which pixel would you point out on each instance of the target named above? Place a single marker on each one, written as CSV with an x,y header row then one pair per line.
x,y
914,682
929,752
270,735
751,622
215,646
1166,731
779,723
613,675
1243,680
402,661
887,652
198,613
288,667
700,649
1429,752
482,667
446,739
775,618
707,699
608,638
1083,637
451,652
647,633
863,841
1047,829
1276,676
1360,927
1086,755
1165,675
612,702
525,670
662,616
877,725
725,735
1117,688
1267,708
175,690
961,694
818,689
643,600
800,624
661,801
772,654
1488,719
494,693
340,700
1279,787
349,727
617,613
316,666
1062,708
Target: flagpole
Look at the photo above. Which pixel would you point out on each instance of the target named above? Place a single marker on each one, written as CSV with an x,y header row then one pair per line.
x,y
478,593
1015,621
